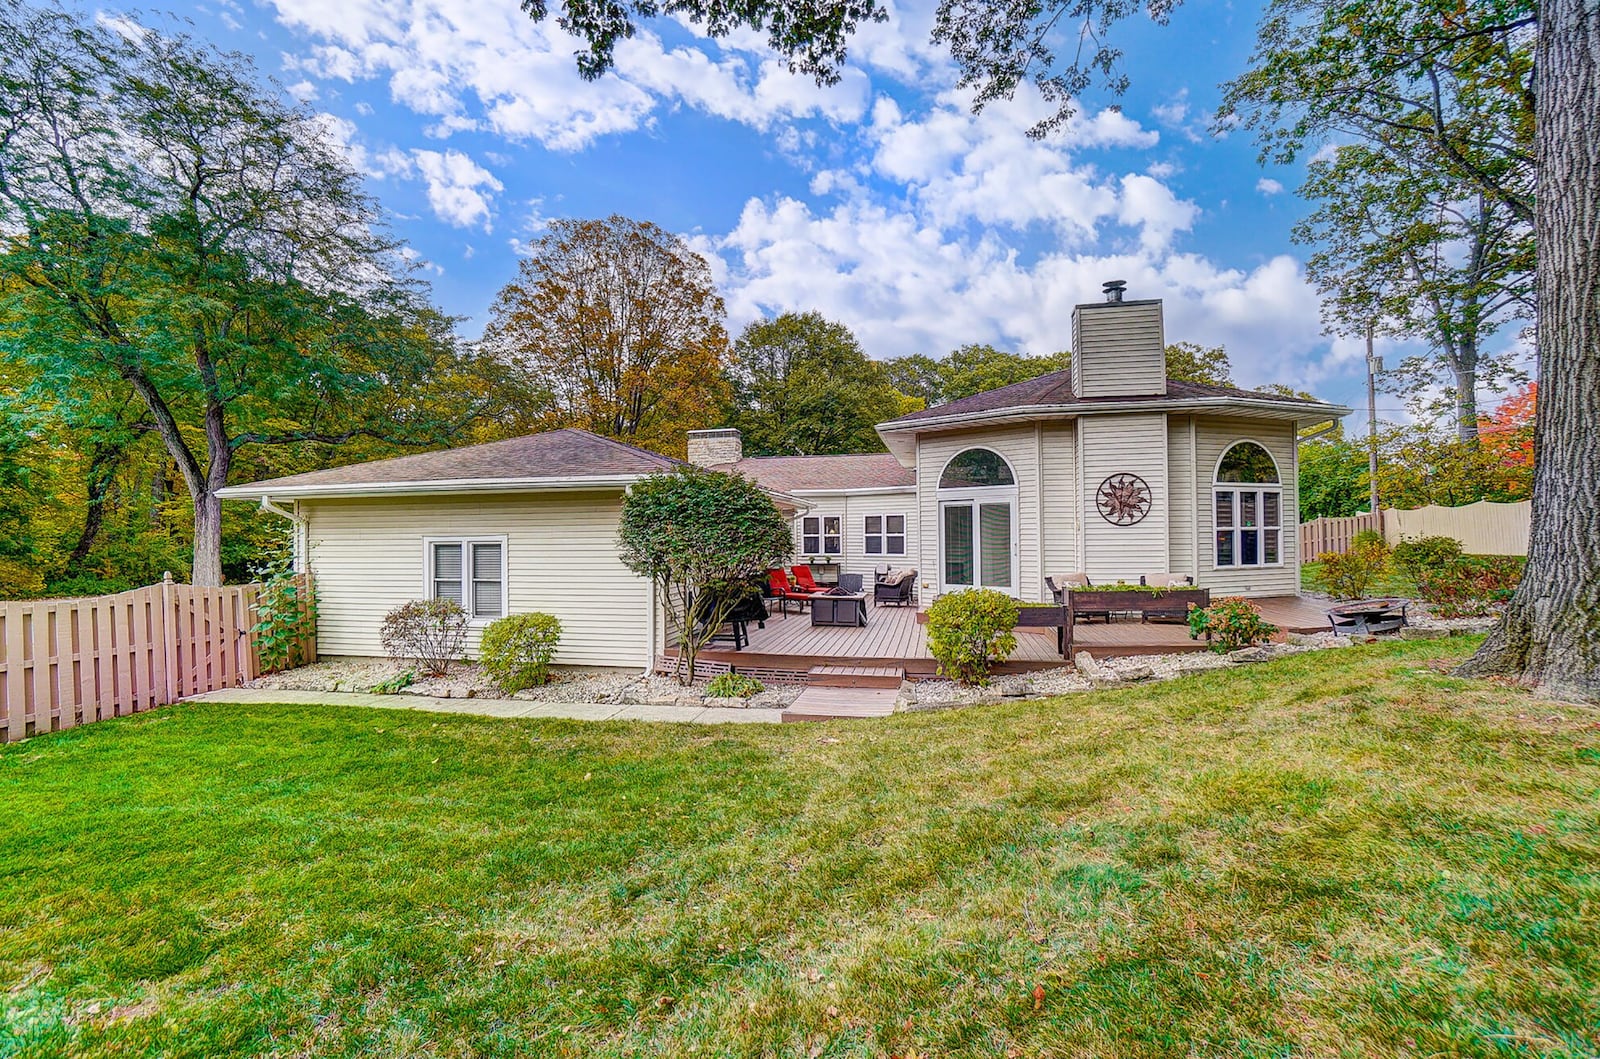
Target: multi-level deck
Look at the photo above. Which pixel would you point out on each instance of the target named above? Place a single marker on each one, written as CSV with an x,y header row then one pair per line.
x,y
790,648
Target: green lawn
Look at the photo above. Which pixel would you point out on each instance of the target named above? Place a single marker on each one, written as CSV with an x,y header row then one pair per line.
x,y
1348,853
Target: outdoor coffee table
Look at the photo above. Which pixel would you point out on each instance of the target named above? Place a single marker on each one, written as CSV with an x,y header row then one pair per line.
x,y
839,610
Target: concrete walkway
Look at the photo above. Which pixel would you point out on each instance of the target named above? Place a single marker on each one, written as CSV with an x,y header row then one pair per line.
x,y
572,711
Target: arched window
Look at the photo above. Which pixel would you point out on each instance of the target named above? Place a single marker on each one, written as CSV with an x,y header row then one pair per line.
x,y
976,469
1245,461
1247,508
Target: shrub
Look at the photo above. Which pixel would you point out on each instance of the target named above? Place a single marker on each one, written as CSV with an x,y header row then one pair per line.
x,y
1369,540
970,631
431,632
516,650
286,614
1231,623
1424,555
1470,586
733,686
1351,575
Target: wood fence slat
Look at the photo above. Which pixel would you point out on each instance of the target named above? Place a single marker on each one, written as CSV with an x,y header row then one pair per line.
x,y
15,715
73,661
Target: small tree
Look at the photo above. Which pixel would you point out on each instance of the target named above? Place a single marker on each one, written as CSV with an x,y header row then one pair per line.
x,y
700,537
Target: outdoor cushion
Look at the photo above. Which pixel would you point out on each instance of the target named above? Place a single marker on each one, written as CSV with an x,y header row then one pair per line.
x,y
894,577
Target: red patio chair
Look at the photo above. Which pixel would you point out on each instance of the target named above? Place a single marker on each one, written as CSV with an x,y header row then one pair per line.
x,y
778,582
805,582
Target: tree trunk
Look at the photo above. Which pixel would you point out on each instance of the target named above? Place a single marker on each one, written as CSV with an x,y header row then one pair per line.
x,y
102,471
1549,637
1467,397
207,568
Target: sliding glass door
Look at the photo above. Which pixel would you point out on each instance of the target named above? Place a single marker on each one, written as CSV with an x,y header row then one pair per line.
x,y
977,544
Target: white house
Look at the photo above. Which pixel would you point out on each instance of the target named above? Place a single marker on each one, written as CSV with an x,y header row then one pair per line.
x,y
1109,469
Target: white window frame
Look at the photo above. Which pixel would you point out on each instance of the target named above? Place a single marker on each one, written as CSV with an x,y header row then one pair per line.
x,y
1236,531
883,536
821,534
467,544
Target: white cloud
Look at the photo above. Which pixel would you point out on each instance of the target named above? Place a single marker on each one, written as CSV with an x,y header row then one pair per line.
x,y
1268,186
459,189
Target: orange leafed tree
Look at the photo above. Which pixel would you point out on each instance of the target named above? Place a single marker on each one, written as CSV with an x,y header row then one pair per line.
x,y
621,322
1507,438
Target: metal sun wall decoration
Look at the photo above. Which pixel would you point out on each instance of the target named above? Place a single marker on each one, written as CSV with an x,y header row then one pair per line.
x,y
1123,499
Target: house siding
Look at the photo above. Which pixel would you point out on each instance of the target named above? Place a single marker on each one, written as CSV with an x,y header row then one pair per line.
x,y
1214,435
1059,497
1020,447
1133,444
1183,472
853,509
561,559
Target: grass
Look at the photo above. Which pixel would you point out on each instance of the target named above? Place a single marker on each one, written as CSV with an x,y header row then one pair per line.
x,y
1345,853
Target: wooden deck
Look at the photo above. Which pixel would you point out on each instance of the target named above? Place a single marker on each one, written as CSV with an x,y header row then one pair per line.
x,y
788,647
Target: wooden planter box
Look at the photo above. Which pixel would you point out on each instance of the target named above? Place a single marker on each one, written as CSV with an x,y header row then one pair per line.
x,y
1041,617
1165,602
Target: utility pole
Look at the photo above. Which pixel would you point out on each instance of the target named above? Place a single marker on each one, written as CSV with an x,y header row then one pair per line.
x,y
1374,368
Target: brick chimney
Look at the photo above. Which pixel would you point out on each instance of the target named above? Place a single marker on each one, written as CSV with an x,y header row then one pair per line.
x,y
712,448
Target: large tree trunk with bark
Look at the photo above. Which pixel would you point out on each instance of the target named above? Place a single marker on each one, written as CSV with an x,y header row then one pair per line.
x,y
1549,637
207,540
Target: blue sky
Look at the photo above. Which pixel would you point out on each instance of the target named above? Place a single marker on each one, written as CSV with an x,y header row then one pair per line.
x,y
882,201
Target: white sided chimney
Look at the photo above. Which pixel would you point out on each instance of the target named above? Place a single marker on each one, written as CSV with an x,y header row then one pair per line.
x,y
1119,347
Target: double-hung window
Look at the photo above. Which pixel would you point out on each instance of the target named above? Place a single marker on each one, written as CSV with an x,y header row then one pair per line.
x,y
820,535
885,535
1247,508
470,571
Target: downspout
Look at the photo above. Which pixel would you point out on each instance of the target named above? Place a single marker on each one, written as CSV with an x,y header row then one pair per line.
x,y
300,541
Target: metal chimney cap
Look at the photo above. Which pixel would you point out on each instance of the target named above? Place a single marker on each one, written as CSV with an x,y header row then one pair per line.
x,y
1114,289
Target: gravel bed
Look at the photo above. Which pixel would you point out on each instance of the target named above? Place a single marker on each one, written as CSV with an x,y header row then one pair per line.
x,y
466,681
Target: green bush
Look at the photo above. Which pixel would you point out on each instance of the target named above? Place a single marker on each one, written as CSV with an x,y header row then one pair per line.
x,y
516,650
969,632
431,632
1470,586
1425,555
1352,575
1369,540
733,686
286,614
1231,622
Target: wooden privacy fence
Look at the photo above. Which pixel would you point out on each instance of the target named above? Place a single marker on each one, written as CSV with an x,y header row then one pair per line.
x,y
65,662
1334,534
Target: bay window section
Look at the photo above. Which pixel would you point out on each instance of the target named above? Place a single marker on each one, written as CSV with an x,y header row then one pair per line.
x,y
1247,508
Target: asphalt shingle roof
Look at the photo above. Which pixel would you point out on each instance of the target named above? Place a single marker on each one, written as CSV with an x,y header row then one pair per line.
x,y
1055,389
786,474
565,453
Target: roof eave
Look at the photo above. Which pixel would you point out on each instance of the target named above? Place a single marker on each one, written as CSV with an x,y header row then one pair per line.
x,y
1029,412
259,490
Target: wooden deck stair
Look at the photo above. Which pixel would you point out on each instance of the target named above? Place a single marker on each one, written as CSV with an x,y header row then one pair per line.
x,y
834,692
855,676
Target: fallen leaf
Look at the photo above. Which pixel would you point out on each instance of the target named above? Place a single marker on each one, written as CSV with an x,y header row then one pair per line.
x,y
1038,998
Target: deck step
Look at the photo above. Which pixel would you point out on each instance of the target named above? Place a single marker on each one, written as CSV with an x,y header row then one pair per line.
x,y
826,704
839,676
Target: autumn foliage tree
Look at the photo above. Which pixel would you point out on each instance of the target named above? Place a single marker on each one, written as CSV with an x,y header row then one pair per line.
x,y
621,322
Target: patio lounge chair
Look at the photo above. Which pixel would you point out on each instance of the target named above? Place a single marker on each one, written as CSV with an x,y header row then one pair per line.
x,y
804,581
1176,612
778,585
1060,583
894,589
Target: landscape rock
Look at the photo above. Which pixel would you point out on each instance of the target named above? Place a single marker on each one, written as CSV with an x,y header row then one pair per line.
x,y
1249,654
1135,672
727,702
